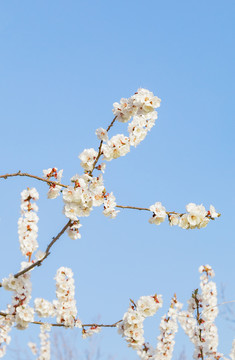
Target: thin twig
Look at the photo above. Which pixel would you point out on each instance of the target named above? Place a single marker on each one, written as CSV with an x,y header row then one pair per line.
x,y
132,207
19,173
146,209
47,253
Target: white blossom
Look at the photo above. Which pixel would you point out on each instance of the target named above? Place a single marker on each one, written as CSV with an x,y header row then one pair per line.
x,y
102,134
27,224
44,342
159,213
145,100
118,145
91,331
88,157
109,206
124,110
33,347
168,329
73,230
213,212
131,326
54,190
44,308
66,310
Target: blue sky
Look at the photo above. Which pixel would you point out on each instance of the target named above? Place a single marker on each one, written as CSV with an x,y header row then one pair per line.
x,y
62,66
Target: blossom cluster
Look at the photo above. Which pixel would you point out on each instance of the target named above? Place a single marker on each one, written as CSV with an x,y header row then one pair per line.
x,y
196,216
131,326
66,310
91,331
141,106
45,353
109,206
54,190
168,329
85,192
22,287
79,199
201,330
6,324
27,224
44,308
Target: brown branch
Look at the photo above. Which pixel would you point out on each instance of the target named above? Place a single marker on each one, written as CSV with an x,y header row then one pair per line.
x,y
19,173
83,325
47,253
62,325
199,320
100,147
132,207
146,209
113,121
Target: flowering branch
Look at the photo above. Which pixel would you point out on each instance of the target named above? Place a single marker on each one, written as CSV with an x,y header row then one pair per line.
x,y
47,253
63,325
19,173
100,147
199,320
85,192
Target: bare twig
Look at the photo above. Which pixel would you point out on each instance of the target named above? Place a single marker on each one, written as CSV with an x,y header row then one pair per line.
x,y
132,207
19,173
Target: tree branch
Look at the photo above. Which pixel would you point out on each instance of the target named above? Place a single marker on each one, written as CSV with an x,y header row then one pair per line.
x,y
47,253
19,173
100,147
62,325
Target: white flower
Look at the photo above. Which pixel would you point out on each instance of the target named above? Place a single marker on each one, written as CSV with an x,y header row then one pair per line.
x,y
101,167
140,126
213,212
148,305
27,224
102,134
66,310
88,157
53,172
183,223
24,315
73,230
197,216
159,213
174,219
33,348
29,193
39,254
145,100
91,331
109,206
117,146
125,110
10,283
44,308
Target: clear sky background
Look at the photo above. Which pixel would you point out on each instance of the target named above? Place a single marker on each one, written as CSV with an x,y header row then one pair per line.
x,y
62,65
